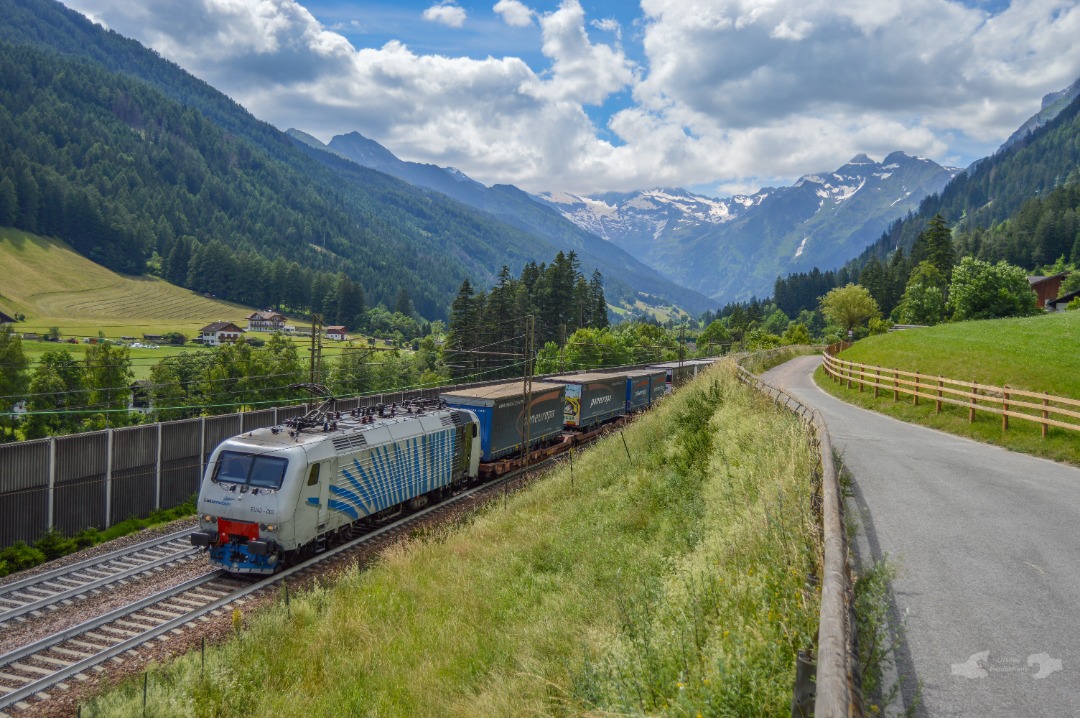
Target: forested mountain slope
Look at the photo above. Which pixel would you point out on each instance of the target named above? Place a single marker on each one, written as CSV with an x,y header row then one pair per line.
x,y
1019,204
993,189
123,154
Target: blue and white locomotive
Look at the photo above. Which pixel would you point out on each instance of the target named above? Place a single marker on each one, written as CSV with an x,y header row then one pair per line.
x,y
271,495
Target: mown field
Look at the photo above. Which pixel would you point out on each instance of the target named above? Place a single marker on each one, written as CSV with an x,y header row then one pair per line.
x,y
1035,353
665,576
54,286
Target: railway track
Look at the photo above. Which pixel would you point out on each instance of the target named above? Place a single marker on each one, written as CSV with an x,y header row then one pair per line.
x,y
61,586
36,670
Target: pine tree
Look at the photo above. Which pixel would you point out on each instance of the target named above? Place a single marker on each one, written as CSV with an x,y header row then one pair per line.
x,y
462,332
403,304
599,314
935,245
9,202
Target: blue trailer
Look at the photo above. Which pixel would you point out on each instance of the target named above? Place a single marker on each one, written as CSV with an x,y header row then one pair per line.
x,y
501,411
643,387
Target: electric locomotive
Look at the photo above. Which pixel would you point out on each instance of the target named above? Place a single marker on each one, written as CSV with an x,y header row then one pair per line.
x,y
271,495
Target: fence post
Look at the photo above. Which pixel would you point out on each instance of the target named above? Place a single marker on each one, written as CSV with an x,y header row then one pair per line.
x,y
939,384
847,371
52,482
108,476
1046,414
1005,408
202,447
971,411
157,472
861,381
915,394
877,381
896,385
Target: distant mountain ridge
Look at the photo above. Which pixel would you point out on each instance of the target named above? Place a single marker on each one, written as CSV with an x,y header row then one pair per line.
x,y
733,248
516,208
1052,105
1030,164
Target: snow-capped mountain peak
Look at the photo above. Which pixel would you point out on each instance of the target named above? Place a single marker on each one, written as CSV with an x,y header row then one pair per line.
x,y
822,219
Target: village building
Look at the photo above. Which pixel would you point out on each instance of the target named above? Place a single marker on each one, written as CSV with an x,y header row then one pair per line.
x,y
219,333
1047,288
336,333
266,322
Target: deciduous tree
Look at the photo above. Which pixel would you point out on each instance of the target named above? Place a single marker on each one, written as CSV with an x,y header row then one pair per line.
x,y
849,306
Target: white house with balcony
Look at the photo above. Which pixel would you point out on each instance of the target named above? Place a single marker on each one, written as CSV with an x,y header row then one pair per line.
x,y
266,322
219,333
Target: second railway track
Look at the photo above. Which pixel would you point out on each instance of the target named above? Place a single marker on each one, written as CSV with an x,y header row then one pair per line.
x,y
49,590
35,671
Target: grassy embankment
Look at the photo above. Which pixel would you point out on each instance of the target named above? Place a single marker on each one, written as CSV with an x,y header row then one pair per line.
x,y
1036,353
54,286
667,582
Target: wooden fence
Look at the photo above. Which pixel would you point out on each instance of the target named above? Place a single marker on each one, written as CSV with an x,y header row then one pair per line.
x,y
1044,409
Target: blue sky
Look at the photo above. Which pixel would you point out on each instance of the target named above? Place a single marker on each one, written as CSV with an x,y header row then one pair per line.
x,y
721,96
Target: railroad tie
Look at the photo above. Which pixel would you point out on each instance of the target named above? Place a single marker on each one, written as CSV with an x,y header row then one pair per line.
x,y
58,662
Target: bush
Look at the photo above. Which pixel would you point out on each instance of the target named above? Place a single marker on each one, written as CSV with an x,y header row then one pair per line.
x,y
18,556
54,544
980,290
87,538
174,338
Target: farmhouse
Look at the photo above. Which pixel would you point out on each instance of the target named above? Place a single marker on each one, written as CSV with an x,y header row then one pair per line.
x,y
336,333
5,319
1047,288
219,333
266,322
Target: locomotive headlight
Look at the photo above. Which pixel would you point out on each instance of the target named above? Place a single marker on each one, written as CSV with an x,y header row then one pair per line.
x,y
209,519
268,527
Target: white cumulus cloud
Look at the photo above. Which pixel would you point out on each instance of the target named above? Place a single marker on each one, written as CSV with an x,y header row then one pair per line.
x,y
514,13
446,13
720,93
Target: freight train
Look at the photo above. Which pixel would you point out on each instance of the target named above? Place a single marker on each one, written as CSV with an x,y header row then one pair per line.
x,y
272,496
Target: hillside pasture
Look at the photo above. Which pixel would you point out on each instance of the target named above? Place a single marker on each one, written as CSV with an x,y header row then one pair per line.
x,y
1035,353
55,286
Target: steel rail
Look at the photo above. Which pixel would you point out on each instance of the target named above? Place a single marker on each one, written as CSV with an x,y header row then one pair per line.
x,y
46,601
7,588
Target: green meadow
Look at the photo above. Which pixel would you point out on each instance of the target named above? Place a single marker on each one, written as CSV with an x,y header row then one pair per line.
x,y
1039,354
665,574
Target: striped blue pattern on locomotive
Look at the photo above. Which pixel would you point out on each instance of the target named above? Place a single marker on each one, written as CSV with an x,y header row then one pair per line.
x,y
391,474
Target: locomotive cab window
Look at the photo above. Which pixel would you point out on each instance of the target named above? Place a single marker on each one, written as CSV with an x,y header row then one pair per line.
x,y
313,477
259,471
474,430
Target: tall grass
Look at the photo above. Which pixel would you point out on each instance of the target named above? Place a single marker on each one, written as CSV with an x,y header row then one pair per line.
x,y
670,581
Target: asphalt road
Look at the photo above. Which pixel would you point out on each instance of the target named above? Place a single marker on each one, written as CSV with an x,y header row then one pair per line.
x,y
987,543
